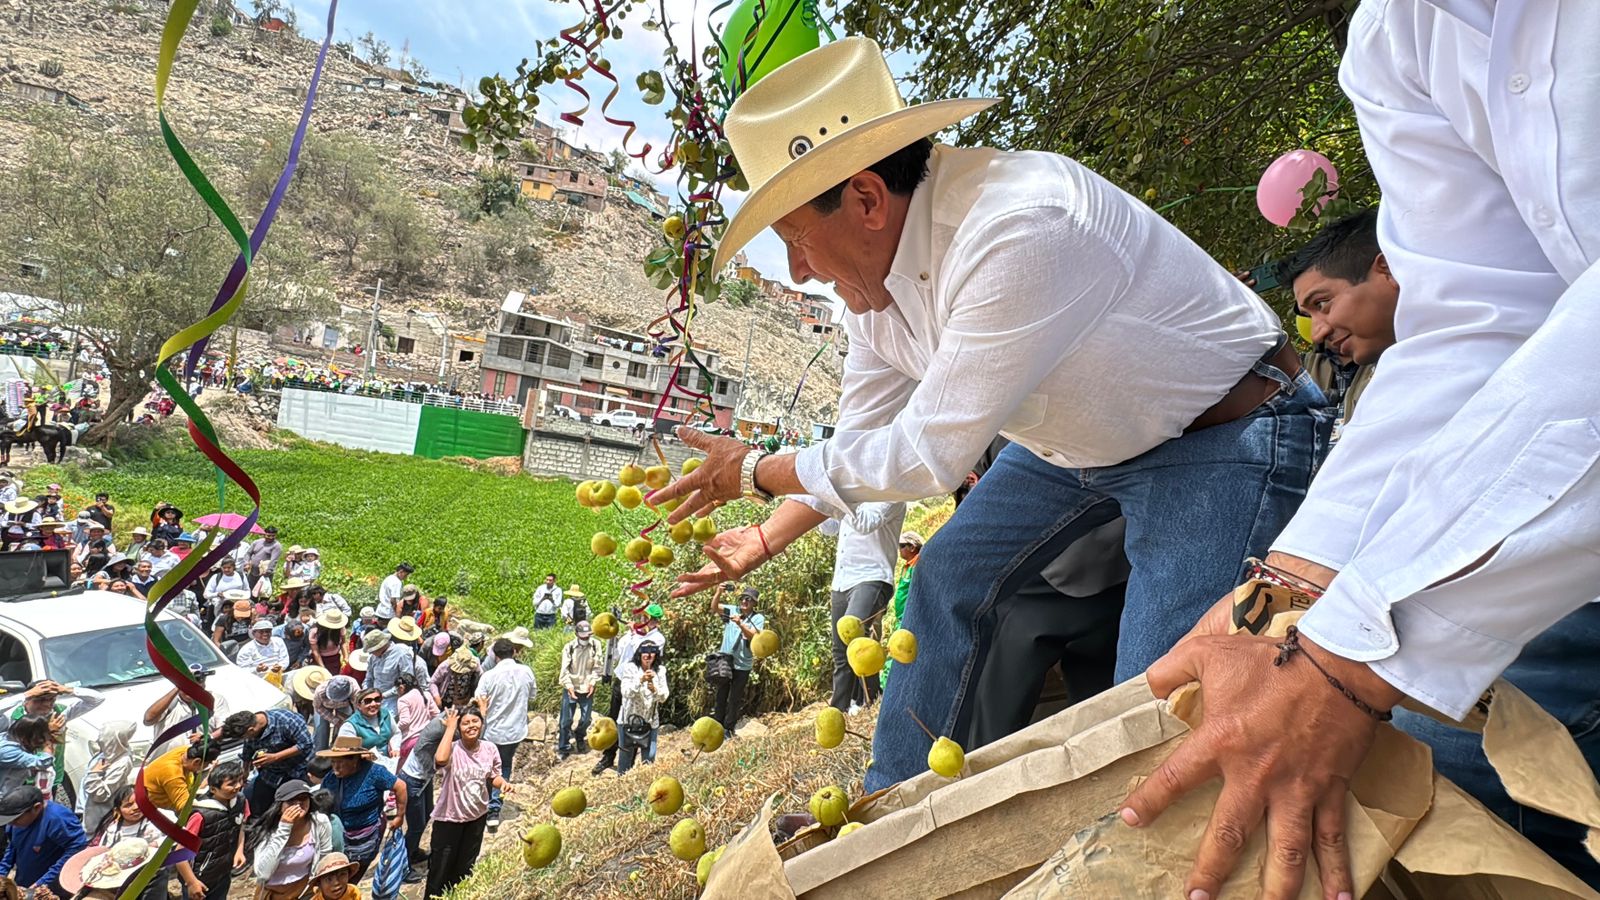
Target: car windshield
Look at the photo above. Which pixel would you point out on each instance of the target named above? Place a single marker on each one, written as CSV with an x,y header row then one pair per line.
x,y
114,656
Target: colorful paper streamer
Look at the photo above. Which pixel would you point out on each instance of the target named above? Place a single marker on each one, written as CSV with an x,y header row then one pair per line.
x,y
193,339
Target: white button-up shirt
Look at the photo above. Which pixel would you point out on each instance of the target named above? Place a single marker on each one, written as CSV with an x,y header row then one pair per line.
x,y
869,543
1479,436
389,596
1034,299
547,599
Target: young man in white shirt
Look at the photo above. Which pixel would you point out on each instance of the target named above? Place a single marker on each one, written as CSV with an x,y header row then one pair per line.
x,y
546,603
863,583
504,694
1456,519
1018,294
389,593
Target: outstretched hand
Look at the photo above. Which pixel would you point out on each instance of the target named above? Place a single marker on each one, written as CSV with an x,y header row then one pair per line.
x,y
1286,744
734,554
716,481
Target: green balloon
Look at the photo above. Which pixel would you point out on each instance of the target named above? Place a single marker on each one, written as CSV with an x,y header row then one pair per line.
x,y
784,34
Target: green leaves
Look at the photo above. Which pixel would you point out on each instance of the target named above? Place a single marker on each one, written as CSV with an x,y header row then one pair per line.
x,y
651,89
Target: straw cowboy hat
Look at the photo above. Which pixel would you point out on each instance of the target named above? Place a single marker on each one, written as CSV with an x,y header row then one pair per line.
x,y
305,681
406,630
332,618
815,121
346,745
20,506
576,591
358,659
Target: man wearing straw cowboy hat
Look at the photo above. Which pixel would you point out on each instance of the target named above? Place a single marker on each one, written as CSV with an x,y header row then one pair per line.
x,y
1011,293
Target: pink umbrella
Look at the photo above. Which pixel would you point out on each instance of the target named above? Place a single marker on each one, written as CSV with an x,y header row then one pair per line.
x,y
230,521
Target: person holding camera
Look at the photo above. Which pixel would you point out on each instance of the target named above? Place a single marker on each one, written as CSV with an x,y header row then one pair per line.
x,y
582,660
728,670
644,689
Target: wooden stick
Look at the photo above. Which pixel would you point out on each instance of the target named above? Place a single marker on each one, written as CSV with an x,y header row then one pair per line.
x,y
920,725
656,445
861,736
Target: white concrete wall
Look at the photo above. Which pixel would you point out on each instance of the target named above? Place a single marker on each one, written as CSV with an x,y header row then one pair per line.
x,y
363,423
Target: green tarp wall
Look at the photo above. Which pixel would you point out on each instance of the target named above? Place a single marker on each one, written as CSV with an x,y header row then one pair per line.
x,y
462,432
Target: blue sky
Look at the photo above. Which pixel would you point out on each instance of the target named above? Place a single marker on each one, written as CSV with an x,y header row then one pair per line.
x,y
463,40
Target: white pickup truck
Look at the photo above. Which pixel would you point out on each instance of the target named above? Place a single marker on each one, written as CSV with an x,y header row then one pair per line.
x,y
96,639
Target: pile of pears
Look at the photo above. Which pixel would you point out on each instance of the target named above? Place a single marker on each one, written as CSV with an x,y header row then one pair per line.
x,y
626,493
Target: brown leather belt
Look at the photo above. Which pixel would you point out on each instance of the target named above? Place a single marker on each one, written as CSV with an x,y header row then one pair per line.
x,y
1251,391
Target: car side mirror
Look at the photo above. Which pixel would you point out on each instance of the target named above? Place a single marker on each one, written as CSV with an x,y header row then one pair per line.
x,y
12,687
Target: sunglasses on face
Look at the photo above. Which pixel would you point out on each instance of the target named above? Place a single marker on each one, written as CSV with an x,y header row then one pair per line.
x,y
371,701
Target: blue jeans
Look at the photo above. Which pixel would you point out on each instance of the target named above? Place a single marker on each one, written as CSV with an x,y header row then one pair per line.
x,y
644,748
566,734
544,620
1560,671
508,752
1197,506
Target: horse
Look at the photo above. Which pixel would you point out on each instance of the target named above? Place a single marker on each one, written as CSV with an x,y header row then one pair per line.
x,y
53,440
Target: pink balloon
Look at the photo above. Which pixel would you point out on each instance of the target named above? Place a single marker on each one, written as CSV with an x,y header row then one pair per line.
x,y
1278,195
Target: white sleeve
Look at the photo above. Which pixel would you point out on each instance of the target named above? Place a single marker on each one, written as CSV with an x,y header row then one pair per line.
x,y
1037,279
1477,439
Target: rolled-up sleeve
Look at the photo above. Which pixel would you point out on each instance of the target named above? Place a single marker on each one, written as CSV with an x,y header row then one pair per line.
x,y
1026,287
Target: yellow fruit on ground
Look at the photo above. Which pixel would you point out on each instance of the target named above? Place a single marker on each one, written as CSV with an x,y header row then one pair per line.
x,y
849,628
688,840
605,626
706,733
661,556
903,646
848,827
946,757
657,477
764,644
665,795
629,497
631,474
569,802
830,805
689,465
602,544
638,550
682,532
704,530
702,869
604,493
541,845
830,728
865,656
602,734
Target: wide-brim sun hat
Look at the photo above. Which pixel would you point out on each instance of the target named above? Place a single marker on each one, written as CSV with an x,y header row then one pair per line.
x,y
405,629
373,641
332,618
519,636
462,661
306,681
294,583
576,591
345,745
333,863
21,506
358,660
814,122
235,594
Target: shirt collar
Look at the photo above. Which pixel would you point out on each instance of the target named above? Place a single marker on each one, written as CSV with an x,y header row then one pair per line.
x,y
1476,14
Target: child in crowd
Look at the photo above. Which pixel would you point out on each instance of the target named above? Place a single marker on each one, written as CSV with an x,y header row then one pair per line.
x,y
322,801
125,820
332,879
218,820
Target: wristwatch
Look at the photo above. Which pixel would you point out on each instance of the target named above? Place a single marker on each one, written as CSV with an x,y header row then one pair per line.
x,y
747,477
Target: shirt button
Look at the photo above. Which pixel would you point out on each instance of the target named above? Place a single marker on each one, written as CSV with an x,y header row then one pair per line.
x,y
923,275
1543,217
1518,83
1048,453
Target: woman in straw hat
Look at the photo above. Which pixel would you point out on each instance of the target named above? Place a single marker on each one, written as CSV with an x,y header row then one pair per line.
x,y
1001,292
329,638
358,786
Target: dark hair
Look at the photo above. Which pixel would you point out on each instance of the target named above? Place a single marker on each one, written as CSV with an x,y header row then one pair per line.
x,y
236,726
319,766
32,732
406,680
224,771
115,811
322,801
471,709
207,751
1343,249
901,172
367,692
504,648
549,574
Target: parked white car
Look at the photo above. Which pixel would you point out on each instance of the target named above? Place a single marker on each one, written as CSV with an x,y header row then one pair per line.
x,y
96,639
565,412
619,418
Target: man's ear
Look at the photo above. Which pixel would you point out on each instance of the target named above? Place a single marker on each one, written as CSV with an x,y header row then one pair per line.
x,y
1380,268
867,191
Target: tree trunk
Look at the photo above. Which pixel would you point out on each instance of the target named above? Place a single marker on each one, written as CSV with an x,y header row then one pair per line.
x,y
129,387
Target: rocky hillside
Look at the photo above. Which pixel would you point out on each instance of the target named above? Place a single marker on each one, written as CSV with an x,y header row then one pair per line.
x,y
230,92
